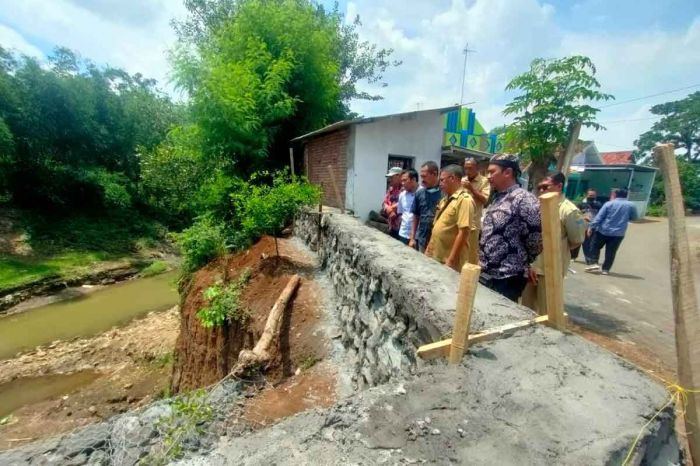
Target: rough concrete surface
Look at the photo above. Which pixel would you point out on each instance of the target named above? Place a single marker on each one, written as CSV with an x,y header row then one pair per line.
x,y
540,397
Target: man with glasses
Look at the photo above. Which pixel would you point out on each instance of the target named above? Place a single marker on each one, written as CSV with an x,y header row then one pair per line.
x,y
454,219
511,233
573,232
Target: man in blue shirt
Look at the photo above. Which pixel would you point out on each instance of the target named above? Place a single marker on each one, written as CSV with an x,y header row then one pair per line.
x,y
608,229
424,205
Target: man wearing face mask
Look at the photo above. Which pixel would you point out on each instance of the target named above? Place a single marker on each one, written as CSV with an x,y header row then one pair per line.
x,y
590,208
424,204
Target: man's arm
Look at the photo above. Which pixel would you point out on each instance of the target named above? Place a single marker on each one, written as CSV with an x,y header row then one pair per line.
x,y
529,211
634,214
600,217
465,212
575,228
460,241
482,194
415,210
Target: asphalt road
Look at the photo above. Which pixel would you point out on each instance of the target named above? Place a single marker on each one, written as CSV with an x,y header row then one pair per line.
x,y
633,303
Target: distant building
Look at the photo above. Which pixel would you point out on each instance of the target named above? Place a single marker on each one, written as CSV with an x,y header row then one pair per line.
x,y
359,152
606,171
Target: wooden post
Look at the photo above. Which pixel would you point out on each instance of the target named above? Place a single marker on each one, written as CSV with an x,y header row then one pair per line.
x,y
553,275
468,280
339,199
291,160
564,162
685,306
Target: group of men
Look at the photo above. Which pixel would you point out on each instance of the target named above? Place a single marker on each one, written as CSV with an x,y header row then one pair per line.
x,y
455,218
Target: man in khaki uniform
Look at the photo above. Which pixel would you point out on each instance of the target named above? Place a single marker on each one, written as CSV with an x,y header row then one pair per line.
x,y
454,220
476,185
573,232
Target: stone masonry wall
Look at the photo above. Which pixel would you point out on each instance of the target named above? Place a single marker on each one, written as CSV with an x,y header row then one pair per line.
x,y
391,298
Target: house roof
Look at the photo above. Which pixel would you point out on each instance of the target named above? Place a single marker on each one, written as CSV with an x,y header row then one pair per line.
x,y
617,158
345,123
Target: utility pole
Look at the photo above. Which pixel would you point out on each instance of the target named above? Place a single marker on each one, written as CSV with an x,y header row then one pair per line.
x,y
466,52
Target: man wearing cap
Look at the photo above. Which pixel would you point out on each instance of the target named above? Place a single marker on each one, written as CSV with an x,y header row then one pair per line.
x,y
391,201
511,235
454,220
476,185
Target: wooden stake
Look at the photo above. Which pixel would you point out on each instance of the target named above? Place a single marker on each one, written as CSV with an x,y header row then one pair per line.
x,y
685,306
261,353
441,349
291,160
553,277
339,199
468,280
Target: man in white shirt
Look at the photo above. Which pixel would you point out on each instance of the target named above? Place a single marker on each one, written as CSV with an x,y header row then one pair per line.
x,y
409,180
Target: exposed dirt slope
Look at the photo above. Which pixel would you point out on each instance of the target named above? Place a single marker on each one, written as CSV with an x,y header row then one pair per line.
x,y
204,356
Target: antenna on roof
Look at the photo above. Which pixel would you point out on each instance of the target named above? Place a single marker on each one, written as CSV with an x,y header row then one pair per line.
x,y
466,52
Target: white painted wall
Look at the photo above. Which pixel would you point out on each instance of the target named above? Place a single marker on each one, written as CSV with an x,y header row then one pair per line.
x,y
417,135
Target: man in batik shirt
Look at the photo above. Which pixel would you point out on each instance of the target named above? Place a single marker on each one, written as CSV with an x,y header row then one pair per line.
x,y
511,235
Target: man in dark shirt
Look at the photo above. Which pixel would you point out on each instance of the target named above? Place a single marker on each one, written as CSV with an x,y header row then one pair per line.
x,y
511,234
424,206
590,207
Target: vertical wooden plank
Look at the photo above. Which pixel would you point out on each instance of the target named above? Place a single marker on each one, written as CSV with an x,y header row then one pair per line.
x,y
685,305
339,199
291,160
553,276
468,280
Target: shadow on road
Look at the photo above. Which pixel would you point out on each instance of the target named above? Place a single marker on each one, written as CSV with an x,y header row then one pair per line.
x,y
598,322
626,275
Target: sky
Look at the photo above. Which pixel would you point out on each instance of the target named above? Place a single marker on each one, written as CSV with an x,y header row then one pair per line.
x,y
639,47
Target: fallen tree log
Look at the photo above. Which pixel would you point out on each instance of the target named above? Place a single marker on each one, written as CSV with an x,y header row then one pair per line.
x,y
261,354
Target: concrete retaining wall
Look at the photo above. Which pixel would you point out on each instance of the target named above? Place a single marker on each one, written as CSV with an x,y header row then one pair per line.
x,y
391,298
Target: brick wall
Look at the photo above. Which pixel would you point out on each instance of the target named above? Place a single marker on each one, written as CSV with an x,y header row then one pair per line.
x,y
328,149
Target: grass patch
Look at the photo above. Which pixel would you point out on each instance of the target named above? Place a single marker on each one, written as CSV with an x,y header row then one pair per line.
x,y
64,246
156,268
17,270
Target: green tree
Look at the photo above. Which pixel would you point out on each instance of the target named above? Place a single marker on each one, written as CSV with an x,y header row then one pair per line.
x,y
553,96
261,72
689,175
680,125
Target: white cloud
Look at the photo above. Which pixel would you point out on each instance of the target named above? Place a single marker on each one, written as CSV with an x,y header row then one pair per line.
x,y
101,33
13,40
507,35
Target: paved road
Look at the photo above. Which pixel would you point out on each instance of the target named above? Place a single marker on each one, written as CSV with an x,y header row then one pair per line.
x,y
633,303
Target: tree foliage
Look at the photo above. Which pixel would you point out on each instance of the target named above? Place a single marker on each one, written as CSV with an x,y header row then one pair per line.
x,y
679,125
70,133
261,72
553,95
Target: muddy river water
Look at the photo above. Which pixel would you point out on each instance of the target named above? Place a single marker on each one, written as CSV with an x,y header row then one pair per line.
x,y
87,314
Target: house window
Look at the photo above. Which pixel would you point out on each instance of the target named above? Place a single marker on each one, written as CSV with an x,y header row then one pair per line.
x,y
401,161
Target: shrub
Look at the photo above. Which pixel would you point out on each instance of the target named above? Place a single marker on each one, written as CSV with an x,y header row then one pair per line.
x,y
267,209
201,243
224,303
155,268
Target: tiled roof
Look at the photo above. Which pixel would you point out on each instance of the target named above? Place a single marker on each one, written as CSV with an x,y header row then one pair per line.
x,y
616,158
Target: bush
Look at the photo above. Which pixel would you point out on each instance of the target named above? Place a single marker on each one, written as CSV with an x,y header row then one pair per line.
x,y
224,303
201,243
656,210
155,268
267,209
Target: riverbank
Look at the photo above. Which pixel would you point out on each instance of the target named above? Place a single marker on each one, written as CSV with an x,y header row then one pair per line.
x,y
132,365
41,254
